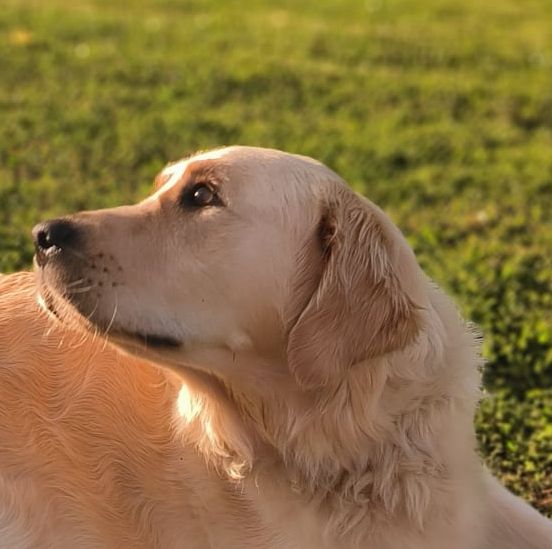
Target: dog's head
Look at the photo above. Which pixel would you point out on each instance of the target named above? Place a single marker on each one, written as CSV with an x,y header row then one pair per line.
x,y
239,252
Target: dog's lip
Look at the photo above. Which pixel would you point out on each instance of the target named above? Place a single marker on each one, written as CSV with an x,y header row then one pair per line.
x,y
46,303
155,341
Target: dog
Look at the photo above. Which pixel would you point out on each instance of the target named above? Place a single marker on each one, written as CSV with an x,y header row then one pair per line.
x,y
251,357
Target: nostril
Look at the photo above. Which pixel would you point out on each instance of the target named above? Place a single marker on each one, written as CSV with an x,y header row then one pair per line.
x,y
43,240
60,233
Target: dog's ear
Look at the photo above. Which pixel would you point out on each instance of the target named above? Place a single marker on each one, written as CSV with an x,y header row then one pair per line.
x,y
361,307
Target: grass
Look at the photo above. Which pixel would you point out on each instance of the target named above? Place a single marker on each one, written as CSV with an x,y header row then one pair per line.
x,y
439,111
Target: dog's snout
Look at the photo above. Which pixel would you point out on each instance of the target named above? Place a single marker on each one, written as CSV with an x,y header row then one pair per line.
x,y
57,233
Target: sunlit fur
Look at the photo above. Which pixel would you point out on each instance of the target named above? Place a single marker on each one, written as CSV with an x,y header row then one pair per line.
x,y
322,397
88,456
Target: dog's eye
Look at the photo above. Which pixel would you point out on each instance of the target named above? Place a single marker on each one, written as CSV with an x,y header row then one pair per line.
x,y
201,195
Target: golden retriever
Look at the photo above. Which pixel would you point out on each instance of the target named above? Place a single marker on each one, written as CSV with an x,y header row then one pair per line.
x,y
249,358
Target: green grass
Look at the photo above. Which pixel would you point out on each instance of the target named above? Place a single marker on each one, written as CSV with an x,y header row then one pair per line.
x,y
438,110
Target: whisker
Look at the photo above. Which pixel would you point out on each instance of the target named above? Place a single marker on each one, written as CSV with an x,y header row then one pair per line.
x,y
113,316
75,283
79,290
89,315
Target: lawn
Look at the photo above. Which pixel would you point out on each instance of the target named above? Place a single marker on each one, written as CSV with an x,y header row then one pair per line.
x,y
440,111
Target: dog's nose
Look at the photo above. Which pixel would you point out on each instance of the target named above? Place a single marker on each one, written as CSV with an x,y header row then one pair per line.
x,y
58,233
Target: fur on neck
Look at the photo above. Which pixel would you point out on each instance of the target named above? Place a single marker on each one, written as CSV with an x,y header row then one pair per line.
x,y
369,450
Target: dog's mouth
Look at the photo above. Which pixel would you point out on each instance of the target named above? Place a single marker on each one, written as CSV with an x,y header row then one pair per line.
x,y
60,308
150,340
46,302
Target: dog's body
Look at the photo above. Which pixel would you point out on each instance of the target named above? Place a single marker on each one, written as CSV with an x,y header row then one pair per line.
x,y
315,390
88,457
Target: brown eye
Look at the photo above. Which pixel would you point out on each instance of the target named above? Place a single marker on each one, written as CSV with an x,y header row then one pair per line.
x,y
202,195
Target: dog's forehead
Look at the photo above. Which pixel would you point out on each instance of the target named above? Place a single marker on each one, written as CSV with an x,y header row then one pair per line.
x,y
177,169
172,173
246,164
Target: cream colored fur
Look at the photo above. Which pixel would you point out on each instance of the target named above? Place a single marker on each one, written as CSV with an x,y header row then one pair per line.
x,y
320,392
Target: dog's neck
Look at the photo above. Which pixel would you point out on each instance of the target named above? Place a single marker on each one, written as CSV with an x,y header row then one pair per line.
x,y
370,439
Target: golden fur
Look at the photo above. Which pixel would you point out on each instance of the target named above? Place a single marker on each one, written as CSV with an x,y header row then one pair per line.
x,y
318,390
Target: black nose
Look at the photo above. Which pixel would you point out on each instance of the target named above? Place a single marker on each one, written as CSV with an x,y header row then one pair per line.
x,y
58,233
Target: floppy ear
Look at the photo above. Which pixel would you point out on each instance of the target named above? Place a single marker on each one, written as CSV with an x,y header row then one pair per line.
x,y
360,308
